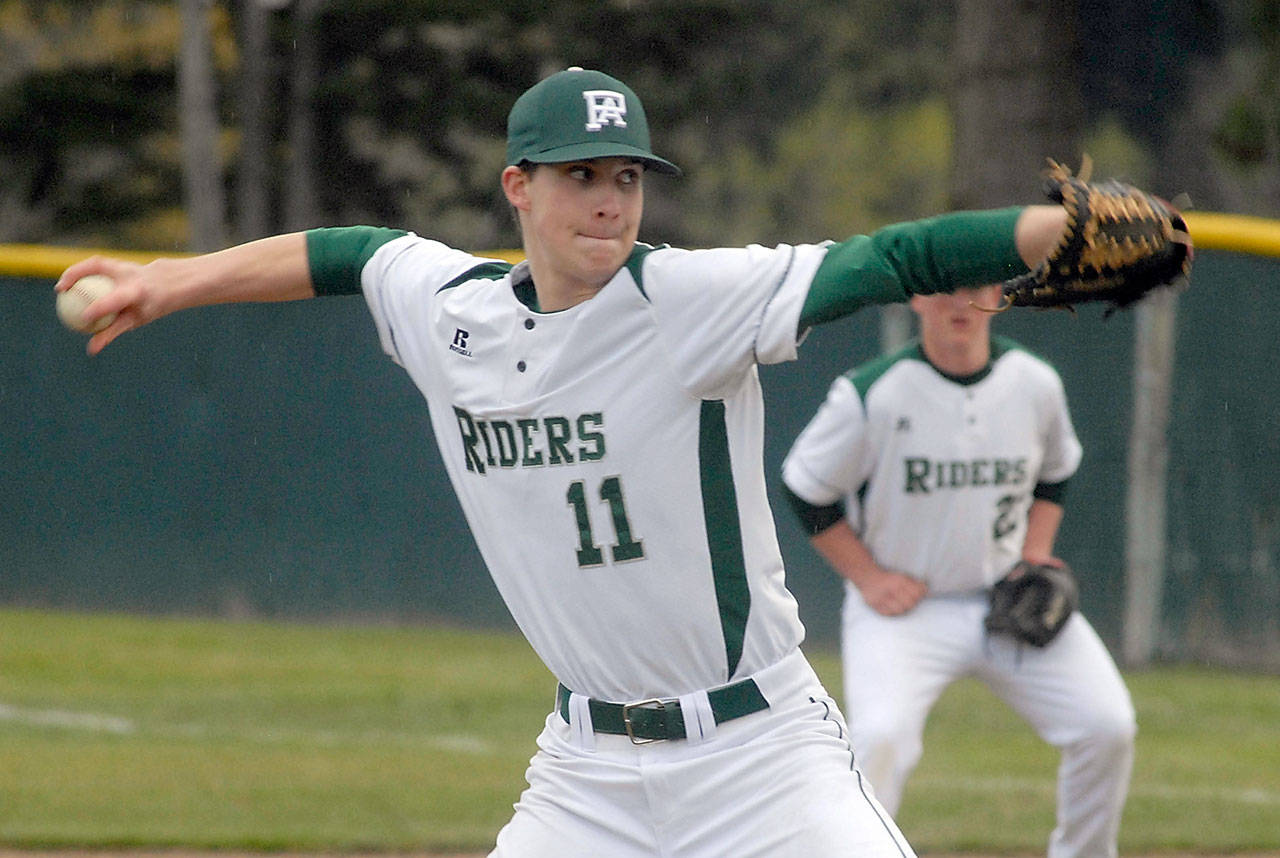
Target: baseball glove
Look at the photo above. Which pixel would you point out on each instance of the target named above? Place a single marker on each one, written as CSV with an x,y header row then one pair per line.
x,y
1032,603
1119,244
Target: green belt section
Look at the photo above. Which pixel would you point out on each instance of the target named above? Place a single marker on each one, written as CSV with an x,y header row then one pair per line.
x,y
653,720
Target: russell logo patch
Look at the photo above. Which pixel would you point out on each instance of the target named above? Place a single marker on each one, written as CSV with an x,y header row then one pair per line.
x,y
459,343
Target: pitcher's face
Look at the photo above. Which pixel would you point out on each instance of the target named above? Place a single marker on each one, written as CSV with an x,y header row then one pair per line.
x,y
581,218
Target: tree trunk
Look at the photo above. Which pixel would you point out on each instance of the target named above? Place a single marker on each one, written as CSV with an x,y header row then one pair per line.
x,y
1016,98
301,206
253,183
197,104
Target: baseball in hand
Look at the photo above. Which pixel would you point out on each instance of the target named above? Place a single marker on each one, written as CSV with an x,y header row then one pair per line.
x,y
72,302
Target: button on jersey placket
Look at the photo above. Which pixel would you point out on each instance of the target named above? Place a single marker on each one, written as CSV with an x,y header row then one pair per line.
x,y
526,358
969,410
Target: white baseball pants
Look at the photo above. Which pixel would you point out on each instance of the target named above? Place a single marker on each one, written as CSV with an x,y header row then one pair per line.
x,y
1071,693
777,783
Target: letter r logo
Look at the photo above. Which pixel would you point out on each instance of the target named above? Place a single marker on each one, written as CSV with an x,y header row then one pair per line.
x,y
460,338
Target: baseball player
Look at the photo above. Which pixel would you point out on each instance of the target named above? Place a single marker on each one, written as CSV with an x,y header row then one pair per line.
x,y
599,413
923,478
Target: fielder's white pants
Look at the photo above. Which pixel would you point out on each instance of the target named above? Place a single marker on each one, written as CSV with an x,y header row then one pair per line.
x,y
1070,692
779,783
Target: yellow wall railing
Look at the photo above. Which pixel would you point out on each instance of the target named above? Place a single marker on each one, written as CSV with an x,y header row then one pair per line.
x,y
1238,233
1209,231
36,260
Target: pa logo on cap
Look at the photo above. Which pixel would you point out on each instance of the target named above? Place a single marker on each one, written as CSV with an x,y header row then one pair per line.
x,y
605,107
548,124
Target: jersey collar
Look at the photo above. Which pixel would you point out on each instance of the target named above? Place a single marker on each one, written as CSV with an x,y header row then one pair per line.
x,y
522,285
997,349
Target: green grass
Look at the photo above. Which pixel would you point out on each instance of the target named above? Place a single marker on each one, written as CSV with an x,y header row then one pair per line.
x,y
119,731
247,735
1206,773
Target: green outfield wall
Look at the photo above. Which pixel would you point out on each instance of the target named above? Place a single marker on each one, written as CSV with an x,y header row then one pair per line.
x,y
270,461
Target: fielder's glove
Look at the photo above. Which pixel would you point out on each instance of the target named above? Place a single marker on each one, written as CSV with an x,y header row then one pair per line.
x,y
1119,244
1032,603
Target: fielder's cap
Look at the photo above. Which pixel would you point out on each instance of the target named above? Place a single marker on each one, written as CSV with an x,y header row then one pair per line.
x,y
578,114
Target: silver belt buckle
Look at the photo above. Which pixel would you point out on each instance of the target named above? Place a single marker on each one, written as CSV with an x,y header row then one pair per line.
x,y
652,703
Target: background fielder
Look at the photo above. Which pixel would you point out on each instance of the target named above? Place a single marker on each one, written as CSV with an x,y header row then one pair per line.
x,y
922,479
600,416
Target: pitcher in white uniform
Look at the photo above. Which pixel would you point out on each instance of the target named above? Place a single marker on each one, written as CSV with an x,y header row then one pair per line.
x,y
923,478
598,409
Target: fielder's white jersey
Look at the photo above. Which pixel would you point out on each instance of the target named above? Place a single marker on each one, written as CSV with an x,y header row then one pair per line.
x,y
608,456
937,473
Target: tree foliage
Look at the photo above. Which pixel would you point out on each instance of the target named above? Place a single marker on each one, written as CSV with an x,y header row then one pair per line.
x,y
86,118
804,120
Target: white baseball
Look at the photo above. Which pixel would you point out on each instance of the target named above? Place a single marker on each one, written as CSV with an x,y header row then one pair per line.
x,y
72,302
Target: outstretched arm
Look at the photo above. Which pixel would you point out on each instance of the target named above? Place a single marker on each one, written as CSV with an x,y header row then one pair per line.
x,y
270,269
938,254
1038,230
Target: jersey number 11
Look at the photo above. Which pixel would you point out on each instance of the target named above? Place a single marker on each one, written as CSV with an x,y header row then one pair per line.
x,y
626,547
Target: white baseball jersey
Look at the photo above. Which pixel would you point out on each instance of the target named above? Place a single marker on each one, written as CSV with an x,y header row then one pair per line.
x,y
629,429
897,441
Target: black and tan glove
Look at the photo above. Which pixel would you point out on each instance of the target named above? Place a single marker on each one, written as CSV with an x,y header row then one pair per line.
x,y
1119,244
1032,603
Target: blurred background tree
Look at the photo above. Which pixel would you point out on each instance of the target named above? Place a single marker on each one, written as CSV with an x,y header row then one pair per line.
x,y
794,121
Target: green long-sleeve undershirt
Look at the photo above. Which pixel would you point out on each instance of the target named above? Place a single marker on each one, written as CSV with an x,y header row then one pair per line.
x,y
937,254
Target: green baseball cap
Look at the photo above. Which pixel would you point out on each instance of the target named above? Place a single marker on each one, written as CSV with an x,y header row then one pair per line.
x,y
577,114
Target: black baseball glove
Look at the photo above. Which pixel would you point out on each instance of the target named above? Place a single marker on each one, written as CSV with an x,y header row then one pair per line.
x,y
1119,244
1032,603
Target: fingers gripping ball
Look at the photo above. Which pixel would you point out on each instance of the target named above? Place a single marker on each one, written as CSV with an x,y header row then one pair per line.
x,y
71,303
1032,603
1119,244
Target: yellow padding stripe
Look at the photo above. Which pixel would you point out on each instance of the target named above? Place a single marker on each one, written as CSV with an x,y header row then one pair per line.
x,y
37,260
1209,231
1238,233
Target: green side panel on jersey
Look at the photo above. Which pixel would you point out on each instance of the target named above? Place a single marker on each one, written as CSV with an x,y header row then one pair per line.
x,y
337,255
937,254
724,531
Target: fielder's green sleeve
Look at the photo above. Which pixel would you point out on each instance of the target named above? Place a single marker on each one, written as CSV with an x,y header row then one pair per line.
x,y
813,517
337,255
1052,492
937,254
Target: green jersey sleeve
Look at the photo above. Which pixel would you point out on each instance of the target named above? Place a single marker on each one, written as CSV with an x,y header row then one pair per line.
x,y
337,255
937,254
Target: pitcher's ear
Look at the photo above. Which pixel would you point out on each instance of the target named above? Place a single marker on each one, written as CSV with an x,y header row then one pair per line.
x,y
515,184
